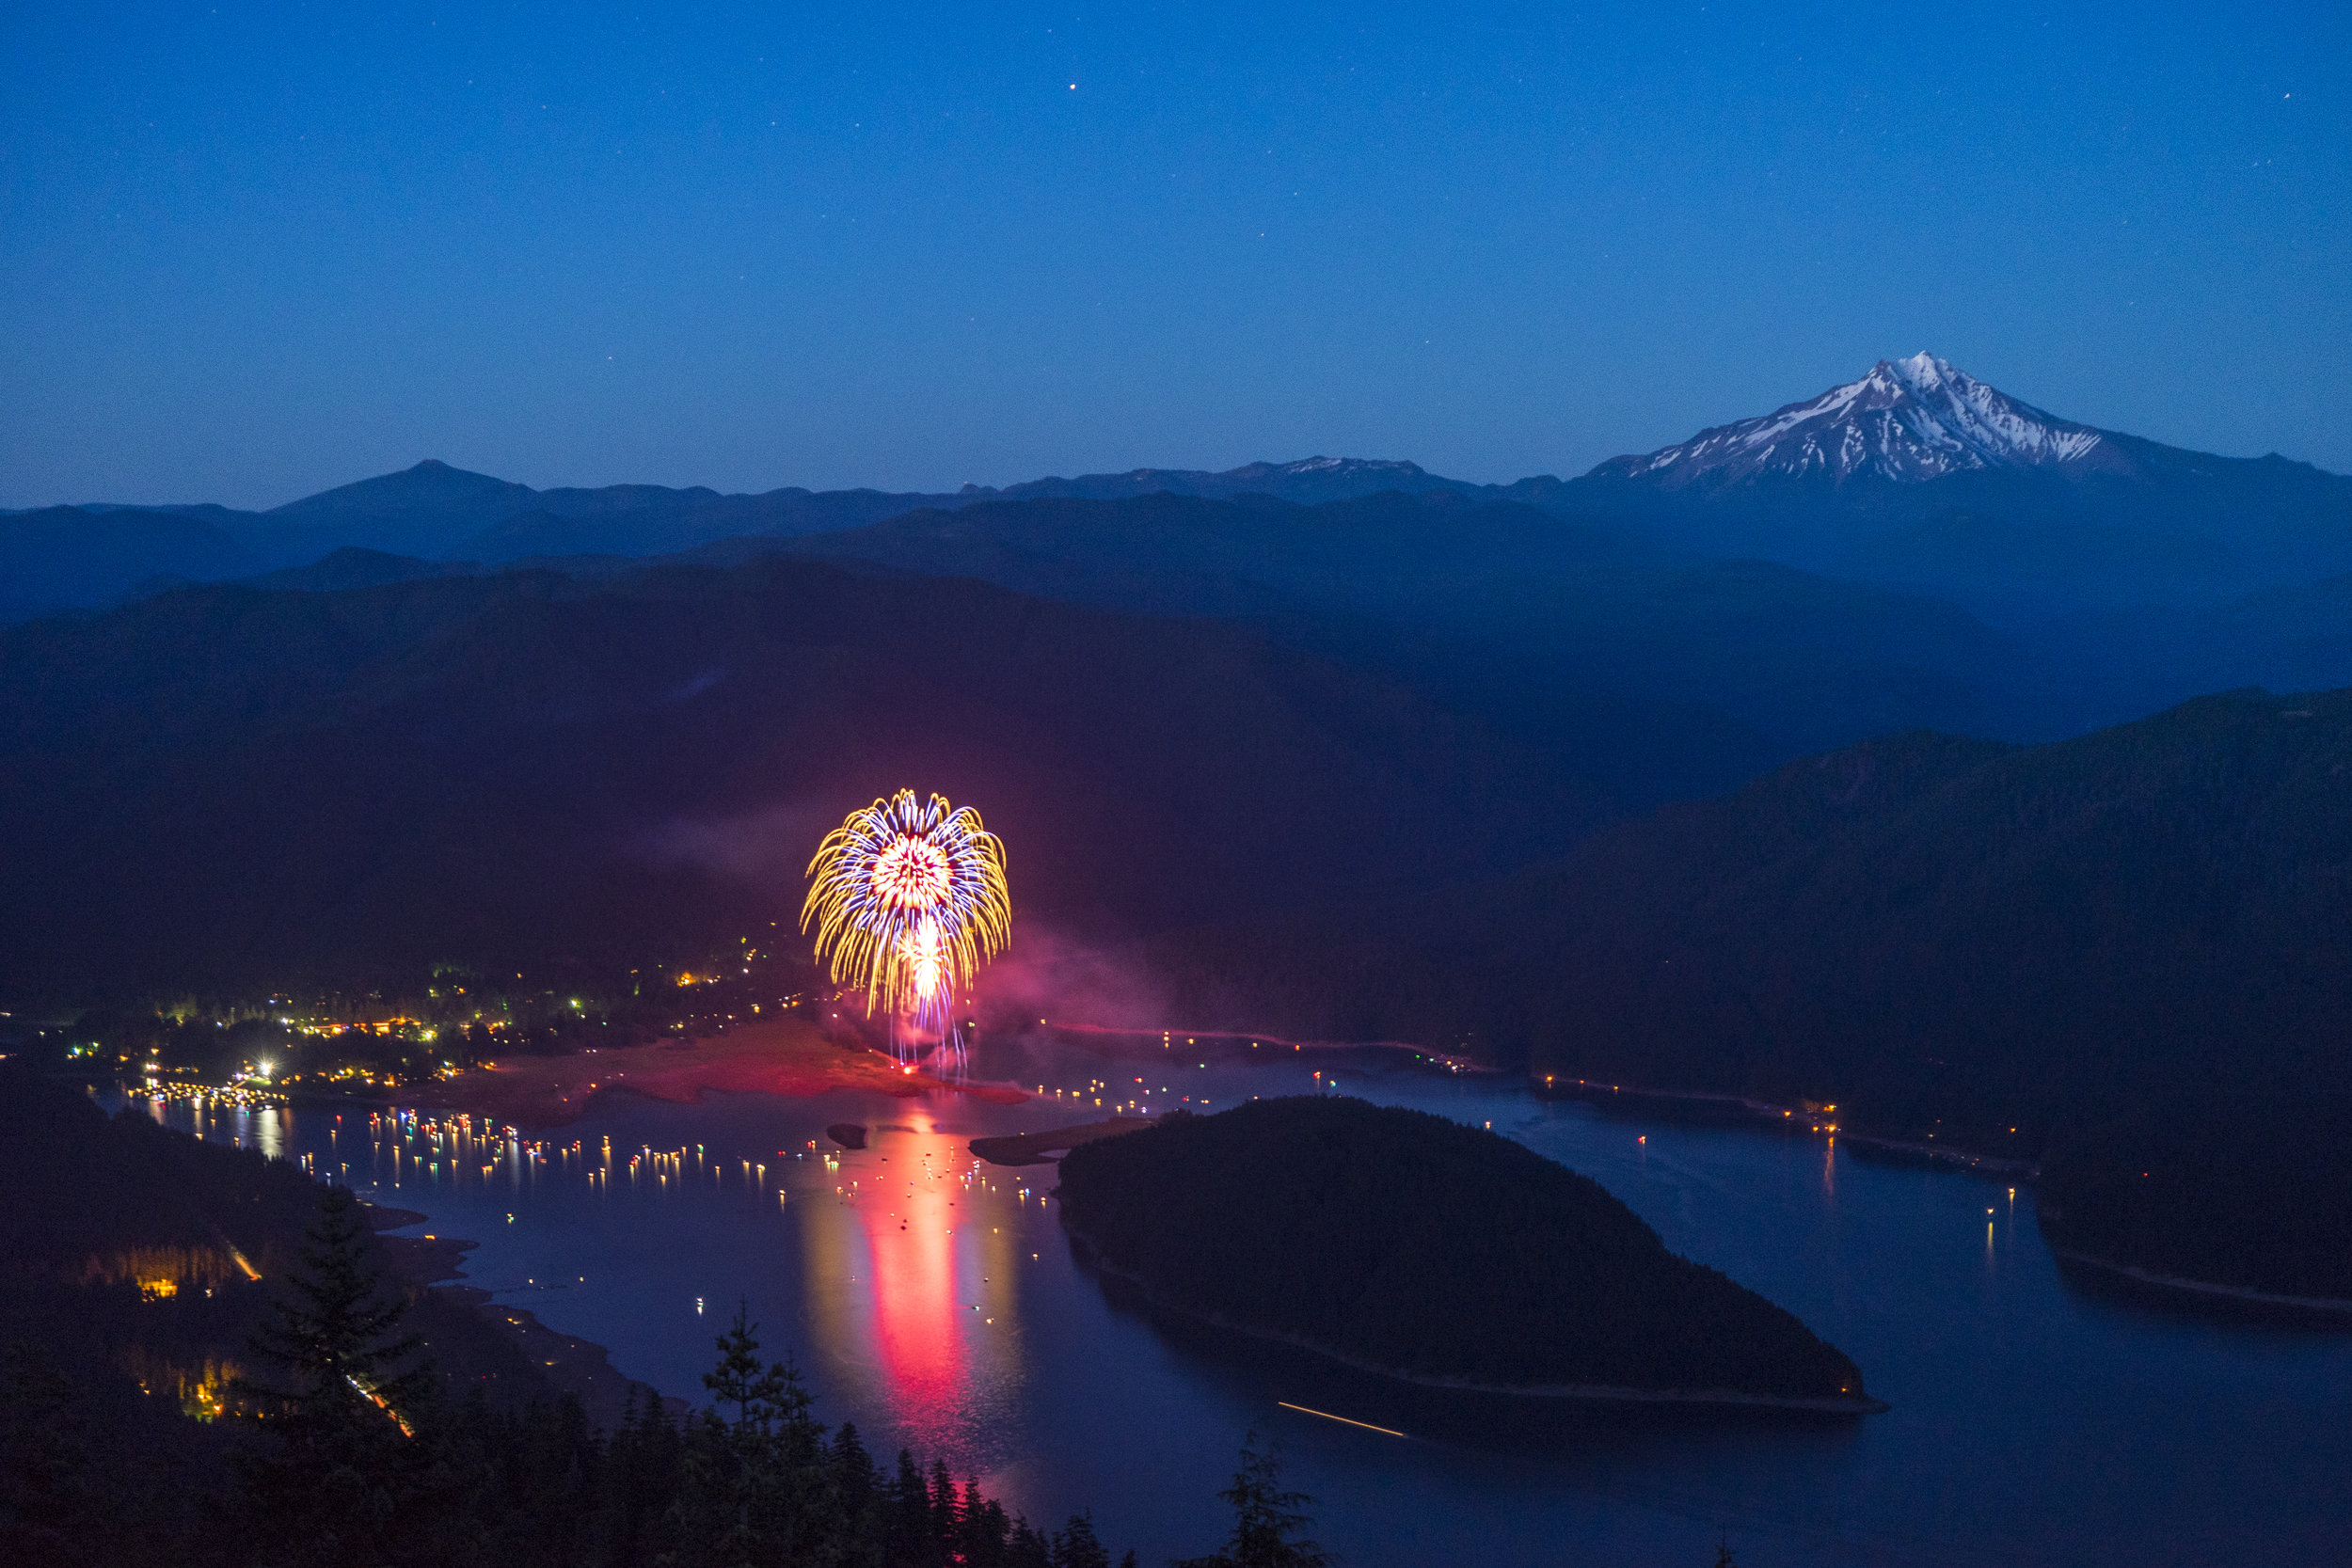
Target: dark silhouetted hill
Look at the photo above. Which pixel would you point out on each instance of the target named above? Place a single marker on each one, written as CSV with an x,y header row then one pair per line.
x,y
562,523
429,500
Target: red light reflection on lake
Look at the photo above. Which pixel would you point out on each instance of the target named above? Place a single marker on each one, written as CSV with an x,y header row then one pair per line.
x,y
918,1342
899,1239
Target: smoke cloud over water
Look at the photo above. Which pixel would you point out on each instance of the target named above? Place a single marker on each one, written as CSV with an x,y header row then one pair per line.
x,y
1048,974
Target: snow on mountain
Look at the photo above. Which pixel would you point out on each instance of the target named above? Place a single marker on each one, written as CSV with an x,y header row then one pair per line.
x,y
1907,421
1307,480
1328,465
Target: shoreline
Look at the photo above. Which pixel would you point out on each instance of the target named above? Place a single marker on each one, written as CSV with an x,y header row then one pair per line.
x,y
1458,1064
1040,1148
1766,1113
788,1057
1590,1393
571,1365
2337,1305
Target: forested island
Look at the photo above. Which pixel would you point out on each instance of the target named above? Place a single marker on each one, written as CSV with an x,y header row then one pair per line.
x,y
1414,1246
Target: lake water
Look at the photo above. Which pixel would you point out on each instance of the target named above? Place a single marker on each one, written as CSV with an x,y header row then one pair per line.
x,y
936,1302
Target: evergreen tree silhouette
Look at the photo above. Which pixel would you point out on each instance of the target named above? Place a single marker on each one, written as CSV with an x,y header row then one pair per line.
x,y
1076,1545
758,1483
1265,1519
336,1463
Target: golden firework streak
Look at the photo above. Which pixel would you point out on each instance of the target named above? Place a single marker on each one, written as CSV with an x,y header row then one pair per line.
x,y
873,928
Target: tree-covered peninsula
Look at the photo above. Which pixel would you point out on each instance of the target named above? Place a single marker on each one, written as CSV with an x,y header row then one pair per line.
x,y
1411,1245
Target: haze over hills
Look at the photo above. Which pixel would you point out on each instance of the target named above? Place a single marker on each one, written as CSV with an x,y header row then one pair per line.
x,y
78,557
60,557
1914,548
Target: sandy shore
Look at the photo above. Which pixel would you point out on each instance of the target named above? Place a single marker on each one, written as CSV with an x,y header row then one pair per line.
x,y
2331,1305
786,1057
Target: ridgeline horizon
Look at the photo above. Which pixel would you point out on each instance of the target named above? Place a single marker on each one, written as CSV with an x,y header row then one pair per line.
x,y
1902,384
1916,477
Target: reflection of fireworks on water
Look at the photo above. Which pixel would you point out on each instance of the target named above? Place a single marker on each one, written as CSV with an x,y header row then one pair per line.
x,y
909,900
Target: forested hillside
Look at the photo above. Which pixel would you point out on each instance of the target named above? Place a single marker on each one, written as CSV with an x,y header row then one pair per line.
x,y
228,784
2129,951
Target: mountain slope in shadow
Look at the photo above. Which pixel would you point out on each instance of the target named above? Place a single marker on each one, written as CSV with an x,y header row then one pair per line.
x,y
2126,956
1802,661
228,783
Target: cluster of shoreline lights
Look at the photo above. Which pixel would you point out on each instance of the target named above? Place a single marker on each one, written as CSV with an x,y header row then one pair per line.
x,y
241,1093
454,1145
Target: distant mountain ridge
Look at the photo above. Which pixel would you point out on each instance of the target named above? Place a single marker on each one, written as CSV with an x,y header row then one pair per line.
x,y
1915,476
60,557
1308,481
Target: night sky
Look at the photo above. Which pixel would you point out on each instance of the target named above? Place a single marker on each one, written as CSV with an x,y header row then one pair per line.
x,y
250,252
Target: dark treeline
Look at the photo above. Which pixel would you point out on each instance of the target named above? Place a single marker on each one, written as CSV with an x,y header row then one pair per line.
x,y
1415,1245
342,1447
753,1478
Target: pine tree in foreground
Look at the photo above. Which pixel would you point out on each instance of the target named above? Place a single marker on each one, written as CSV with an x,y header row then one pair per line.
x,y
1265,1519
759,1487
338,1476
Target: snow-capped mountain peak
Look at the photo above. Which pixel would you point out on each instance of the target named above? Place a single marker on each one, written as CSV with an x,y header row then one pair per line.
x,y
1906,420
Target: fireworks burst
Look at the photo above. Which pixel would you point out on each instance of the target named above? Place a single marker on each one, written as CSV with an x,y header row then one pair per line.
x,y
908,899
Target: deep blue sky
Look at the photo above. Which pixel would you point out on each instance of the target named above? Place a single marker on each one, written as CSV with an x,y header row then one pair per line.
x,y
252,252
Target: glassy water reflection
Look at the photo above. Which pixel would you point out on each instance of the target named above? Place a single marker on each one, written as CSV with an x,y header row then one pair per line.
x,y
935,1301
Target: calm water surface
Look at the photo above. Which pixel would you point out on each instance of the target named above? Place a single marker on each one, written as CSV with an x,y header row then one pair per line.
x,y
936,1302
